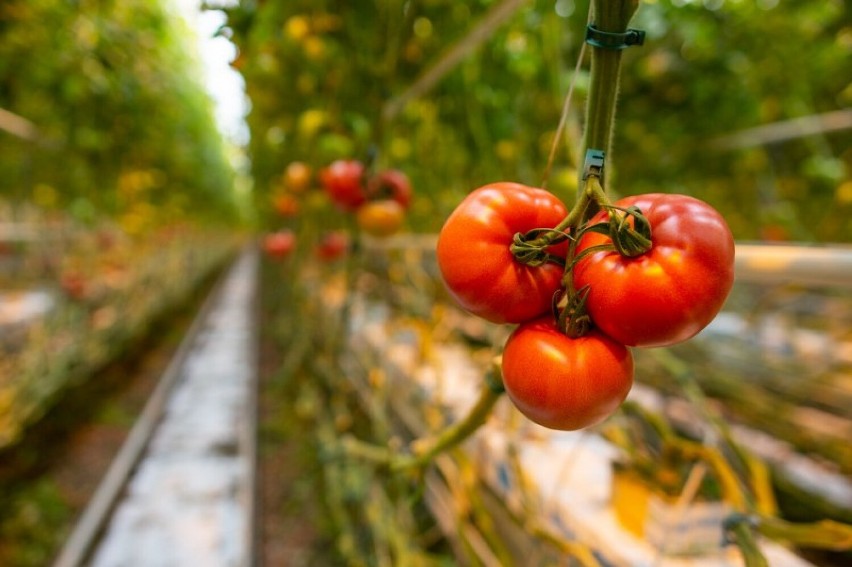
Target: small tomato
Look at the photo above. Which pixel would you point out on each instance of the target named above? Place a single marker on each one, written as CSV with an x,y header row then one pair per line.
x,y
380,218
286,205
343,183
562,382
279,244
74,285
391,184
333,245
297,176
672,291
477,266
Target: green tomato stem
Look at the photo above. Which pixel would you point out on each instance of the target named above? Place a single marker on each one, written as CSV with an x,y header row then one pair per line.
x,y
744,538
591,195
611,16
426,449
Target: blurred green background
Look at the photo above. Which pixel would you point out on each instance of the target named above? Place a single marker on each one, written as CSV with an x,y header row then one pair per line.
x,y
124,129
320,72
116,122
120,196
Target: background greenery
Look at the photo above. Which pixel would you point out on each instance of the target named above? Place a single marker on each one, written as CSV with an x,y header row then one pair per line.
x,y
125,140
124,127
320,71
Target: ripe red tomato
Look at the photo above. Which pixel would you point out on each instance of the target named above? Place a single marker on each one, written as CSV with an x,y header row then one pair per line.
x,y
279,244
562,382
668,294
392,184
477,266
380,218
343,182
333,245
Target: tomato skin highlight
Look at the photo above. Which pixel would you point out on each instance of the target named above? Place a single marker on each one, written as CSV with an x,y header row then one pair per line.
x,y
478,268
562,382
670,293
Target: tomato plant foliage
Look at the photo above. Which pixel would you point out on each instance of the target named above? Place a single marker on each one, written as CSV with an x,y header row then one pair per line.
x,y
319,71
121,115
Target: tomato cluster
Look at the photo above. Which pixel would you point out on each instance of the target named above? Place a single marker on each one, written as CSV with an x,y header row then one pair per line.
x,y
583,294
379,202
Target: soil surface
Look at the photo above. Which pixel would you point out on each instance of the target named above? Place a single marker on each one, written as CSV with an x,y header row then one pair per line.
x,y
293,528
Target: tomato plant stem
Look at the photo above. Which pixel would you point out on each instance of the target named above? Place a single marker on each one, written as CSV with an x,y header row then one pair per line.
x,y
611,16
534,252
744,538
426,449
592,194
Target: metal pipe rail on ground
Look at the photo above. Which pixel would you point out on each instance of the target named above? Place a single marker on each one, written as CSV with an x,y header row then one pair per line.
x,y
820,265
817,265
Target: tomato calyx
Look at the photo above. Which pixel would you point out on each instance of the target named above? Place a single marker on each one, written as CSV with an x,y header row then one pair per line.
x,y
628,229
572,317
630,239
530,248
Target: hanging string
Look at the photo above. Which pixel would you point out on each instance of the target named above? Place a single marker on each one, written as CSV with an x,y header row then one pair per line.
x,y
566,108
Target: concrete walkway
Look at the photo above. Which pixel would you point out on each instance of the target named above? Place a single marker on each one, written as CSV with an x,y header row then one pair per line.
x,y
190,501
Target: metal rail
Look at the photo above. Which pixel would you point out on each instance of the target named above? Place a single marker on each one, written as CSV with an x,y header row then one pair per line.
x,y
803,264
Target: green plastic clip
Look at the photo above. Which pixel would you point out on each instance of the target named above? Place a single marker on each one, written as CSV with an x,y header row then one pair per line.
x,y
617,41
594,164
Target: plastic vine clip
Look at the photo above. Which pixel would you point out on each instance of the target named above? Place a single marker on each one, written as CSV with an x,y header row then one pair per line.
x,y
616,41
593,164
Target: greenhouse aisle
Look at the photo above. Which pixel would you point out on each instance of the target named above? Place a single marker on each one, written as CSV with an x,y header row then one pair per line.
x,y
190,502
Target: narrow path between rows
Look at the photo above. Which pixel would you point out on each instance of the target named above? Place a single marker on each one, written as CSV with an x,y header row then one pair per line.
x,y
190,499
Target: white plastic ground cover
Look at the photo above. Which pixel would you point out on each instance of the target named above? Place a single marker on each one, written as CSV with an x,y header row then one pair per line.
x,y
569,473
